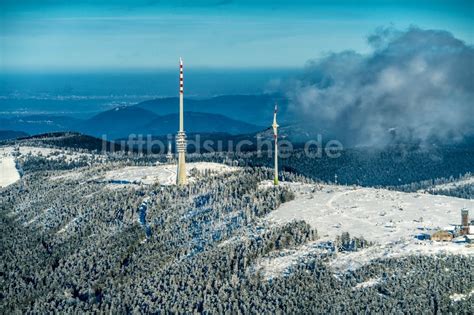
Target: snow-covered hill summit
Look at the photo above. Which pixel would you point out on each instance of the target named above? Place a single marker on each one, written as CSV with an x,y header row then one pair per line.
x,y
389,219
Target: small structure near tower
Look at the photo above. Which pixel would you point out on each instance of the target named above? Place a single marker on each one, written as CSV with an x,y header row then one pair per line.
x,y
464,221
169,155
442,236
275,135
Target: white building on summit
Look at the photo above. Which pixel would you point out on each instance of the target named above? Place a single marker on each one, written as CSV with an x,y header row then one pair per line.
x,y
169,155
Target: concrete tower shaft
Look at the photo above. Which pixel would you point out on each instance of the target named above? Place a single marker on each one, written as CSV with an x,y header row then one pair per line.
x,y
181,137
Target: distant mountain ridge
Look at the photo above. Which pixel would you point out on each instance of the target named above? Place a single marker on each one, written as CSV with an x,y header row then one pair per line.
x,y
12,134
117,122
121,122
36,124
196,122
253,109
233,114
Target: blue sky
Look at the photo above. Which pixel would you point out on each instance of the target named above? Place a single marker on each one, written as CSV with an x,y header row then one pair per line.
x,y
61,35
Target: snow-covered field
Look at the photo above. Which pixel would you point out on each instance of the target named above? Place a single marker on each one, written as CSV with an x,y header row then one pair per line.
x,y
379,215
354,260
55,154
164,174
50,153
8,172
390,219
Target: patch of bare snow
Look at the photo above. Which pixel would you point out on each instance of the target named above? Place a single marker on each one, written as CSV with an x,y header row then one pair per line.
x,y
297,187
353,260
275,266
30,221
53,153
8,172
280,262
68,175
456,297
165,174
367,284
37,217
228,241
66,226
50,153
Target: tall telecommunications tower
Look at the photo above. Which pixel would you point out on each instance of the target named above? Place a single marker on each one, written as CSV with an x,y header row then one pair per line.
x,y
275,135
181,137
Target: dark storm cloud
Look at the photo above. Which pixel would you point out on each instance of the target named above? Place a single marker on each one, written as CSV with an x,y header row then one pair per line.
x,y
416,85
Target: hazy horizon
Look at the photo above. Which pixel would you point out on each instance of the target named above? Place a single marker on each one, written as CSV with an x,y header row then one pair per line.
x,y
199,82
123,34
82,94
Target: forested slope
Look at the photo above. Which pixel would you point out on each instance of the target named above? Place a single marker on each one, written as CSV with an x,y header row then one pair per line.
x,y
71,243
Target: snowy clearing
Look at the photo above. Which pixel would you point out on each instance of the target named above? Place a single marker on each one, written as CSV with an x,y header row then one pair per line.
x,y
367,284
8,172
297,187
49,153
52,153
279,263
69,175
378,215
390,219
456,297
354,260
164,174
